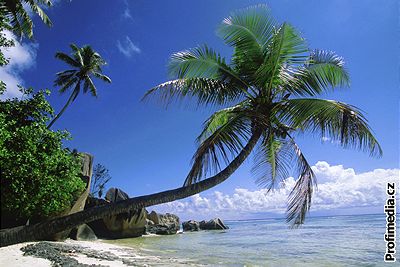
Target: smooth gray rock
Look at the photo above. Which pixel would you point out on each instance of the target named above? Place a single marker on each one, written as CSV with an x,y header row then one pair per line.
x,y
124,225
191,226
161,229
115,194
83,233
162,224
214,224
153,216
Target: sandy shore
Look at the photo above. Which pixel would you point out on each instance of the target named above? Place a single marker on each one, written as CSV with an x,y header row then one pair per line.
x,y
79,253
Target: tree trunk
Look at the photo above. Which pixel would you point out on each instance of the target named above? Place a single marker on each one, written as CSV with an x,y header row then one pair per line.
x,y
42,230
70,100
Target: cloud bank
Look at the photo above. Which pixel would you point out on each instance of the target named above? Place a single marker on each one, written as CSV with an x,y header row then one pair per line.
x,y
338,188
22,56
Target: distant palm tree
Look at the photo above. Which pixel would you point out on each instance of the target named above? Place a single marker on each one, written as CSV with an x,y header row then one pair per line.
x,y
86,64
271,63
271,80
17,14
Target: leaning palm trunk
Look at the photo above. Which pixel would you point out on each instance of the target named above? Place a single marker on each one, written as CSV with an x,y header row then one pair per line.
x,y
44,229
70,100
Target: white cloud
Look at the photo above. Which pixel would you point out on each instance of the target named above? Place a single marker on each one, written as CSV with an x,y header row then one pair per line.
x,y
22,56
127,47
338,188
127,11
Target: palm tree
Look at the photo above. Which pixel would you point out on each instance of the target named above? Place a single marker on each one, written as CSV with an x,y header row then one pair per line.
x,y
86,64
17,14
270,85
270,66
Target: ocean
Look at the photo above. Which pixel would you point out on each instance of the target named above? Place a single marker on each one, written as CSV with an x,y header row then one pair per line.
x,y
355,240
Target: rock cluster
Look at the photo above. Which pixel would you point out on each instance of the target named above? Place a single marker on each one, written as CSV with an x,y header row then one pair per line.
x,y
137,222
125,225
191,226
214,224
162,224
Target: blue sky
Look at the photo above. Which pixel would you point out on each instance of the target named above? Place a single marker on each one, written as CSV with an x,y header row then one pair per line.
x,y
147,148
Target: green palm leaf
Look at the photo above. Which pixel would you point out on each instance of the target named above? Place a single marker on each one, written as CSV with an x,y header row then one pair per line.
x,y
224,133
206,91
287,47
324,70
336,120
272,161
249,32
299,201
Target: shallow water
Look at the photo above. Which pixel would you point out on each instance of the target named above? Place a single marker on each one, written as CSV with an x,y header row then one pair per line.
x,y
323,241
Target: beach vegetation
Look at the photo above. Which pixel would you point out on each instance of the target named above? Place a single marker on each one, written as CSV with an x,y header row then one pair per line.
x,y
39,178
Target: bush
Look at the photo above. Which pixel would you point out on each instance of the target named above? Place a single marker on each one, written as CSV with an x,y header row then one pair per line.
x,y
38,177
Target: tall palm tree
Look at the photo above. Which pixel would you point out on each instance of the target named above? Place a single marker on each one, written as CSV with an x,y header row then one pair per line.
x,y
270,85
86,64
270,66
17,14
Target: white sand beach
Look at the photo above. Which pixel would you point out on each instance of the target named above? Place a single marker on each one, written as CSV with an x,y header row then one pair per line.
x,y
89,252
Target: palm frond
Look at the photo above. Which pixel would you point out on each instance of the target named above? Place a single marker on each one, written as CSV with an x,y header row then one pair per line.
x,y
338,121
272,161
39,11
77,55
248,31
219,118
203,62
20,21
63,77
67,59
325,70
101,76
287,47
299,201
67,83
206,91
89,85
249,28
225,141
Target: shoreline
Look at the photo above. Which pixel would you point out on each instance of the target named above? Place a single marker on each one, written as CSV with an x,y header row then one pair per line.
x,y
81,253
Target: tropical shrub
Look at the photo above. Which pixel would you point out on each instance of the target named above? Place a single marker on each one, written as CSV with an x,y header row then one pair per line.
x,y
38,177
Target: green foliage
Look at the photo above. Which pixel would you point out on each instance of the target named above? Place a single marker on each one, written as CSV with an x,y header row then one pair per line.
x,y
39,178
18,15
99,180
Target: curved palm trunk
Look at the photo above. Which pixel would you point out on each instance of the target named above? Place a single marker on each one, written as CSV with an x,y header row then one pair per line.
x,y
42,230
70,99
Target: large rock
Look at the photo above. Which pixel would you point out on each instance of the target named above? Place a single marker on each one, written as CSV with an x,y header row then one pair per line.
x,y
191,226
154,217
161,229
124,225
82,233
79,205
115,195
214,224
162,224
169,219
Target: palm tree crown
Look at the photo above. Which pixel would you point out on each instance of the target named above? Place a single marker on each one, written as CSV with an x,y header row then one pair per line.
x,y
86,64
271,84
17,15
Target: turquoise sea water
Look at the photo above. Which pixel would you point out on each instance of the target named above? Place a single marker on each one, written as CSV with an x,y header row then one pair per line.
x,y
323,241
